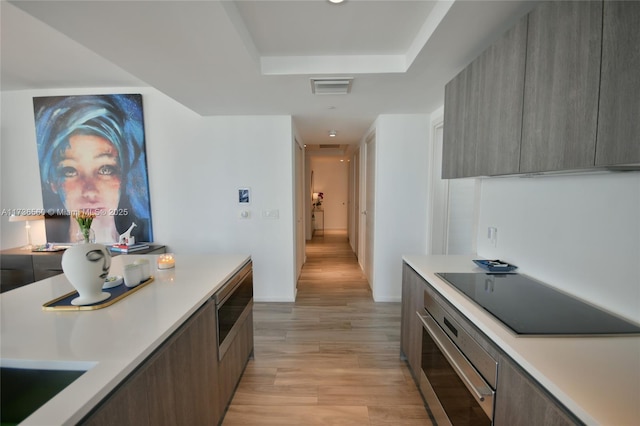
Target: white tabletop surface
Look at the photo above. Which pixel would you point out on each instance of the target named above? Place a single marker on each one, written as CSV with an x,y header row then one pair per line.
x,y
597,378
109,342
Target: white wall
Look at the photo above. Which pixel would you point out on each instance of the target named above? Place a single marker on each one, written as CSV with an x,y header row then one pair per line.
x,y
402,169
196,164
578,233
331,176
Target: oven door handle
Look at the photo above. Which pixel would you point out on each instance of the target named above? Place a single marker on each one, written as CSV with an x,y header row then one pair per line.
x,y
457,360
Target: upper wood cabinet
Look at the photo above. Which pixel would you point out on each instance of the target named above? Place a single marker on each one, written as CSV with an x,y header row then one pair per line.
x,y
499,127
460,111
619,112
561,86
558,92
483,110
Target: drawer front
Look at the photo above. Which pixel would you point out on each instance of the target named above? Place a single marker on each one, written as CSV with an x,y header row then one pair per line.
x,y
17,271
49,262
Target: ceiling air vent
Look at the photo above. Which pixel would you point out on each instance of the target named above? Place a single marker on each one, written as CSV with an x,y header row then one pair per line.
x,y
329,146
331,86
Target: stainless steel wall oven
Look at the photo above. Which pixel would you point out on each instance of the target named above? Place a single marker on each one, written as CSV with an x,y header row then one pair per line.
x,y
458,376
233,302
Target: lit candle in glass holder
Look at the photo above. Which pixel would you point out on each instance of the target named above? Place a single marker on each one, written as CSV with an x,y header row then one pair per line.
x,y
166,261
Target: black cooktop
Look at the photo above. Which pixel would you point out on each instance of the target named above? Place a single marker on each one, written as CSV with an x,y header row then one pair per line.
x,y
528,306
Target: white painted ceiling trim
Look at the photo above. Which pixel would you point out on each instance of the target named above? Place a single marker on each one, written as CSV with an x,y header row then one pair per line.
x,y
434,19
342,64
339,64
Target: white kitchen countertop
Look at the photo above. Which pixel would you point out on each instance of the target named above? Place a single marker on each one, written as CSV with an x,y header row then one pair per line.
x,y
112,341
597,378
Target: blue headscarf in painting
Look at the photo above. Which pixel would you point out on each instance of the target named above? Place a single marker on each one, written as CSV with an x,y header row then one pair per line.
x,y
116,118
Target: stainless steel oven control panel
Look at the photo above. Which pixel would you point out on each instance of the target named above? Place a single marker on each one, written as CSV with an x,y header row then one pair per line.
x,y
486,365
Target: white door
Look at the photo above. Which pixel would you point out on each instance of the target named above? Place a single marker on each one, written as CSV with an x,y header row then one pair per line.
x,y
368,215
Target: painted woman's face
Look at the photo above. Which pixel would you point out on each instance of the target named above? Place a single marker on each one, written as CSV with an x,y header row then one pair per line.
x,y
89,175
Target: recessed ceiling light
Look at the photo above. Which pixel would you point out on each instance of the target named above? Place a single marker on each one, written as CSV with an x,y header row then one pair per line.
x,y
332,133
336,1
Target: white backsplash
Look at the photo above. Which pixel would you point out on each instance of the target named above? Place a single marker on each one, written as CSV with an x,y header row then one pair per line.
x,y
578,233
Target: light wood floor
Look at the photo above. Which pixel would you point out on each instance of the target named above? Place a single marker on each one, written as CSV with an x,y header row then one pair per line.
x,y
330,358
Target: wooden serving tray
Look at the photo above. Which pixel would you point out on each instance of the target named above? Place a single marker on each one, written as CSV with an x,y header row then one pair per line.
x,y
63,303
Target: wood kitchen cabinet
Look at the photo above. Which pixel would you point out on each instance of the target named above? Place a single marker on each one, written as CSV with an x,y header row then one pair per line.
x,y
186,380
619,118
176,385
483,110
127,406
500,103
561,86
158,375
195,370
521,401
578,98
460,123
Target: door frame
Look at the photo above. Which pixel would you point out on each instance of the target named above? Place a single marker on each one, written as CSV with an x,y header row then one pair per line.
x,y
438,236
367,197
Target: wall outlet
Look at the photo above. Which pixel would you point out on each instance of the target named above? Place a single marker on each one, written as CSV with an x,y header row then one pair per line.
x,y
492,235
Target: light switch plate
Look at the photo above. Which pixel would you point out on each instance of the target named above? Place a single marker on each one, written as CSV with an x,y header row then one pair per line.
x,y
271,214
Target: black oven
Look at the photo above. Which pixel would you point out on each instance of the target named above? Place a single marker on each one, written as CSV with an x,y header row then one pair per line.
x,y
233,302
458,376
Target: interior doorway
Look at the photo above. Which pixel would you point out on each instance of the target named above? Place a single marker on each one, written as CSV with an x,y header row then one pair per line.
x,y
329,194
342,182
453,206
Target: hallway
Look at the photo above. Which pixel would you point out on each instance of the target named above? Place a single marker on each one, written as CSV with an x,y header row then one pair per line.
x,y
330,358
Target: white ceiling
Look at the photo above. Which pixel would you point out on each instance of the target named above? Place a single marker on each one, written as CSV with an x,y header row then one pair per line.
x,y
256,57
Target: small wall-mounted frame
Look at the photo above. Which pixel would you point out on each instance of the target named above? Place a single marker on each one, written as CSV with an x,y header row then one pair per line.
x,y
244,195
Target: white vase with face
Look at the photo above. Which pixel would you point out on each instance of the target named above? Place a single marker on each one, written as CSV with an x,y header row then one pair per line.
x,y
86,266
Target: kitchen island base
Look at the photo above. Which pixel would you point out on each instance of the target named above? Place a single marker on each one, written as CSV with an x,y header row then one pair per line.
x,y
183,381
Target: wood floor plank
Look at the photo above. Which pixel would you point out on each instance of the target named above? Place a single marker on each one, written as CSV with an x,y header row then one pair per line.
x,y
286,348
308,361
297,415
339,376
330,358
403,394
406,415
268,395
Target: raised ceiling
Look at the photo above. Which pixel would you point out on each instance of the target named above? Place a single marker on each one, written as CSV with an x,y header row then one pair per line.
x,y
256,57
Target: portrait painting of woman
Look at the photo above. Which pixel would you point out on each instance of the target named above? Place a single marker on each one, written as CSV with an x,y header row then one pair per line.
x,y
92,158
